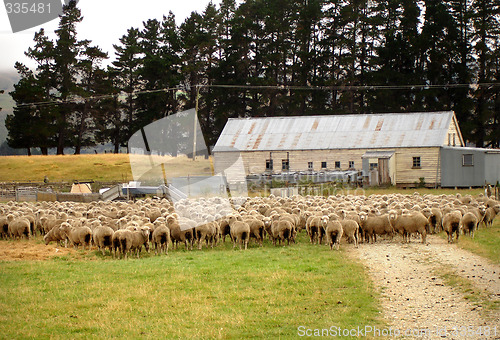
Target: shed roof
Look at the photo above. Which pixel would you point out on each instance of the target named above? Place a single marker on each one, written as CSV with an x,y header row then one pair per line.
x,y
354,131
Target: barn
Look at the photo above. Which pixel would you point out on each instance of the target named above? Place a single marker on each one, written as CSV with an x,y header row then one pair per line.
x,y
401,149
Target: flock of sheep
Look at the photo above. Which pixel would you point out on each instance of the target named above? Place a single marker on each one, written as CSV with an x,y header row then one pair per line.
x,y
128,227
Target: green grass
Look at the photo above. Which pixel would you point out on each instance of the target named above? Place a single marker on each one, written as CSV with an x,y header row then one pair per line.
x,y
214,293
486,242
476,296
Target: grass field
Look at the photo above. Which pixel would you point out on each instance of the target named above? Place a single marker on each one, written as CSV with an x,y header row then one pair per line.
x,y
486,242
261,293
96,167
215,293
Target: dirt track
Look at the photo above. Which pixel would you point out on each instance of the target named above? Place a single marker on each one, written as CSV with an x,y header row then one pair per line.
x,y
415,297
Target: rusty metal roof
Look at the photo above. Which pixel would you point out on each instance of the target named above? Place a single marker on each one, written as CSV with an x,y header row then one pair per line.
x,y
355,131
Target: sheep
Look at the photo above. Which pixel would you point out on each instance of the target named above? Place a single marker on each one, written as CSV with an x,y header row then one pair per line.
x,y
281,230
408,224
375,225
177,235
140,237
351,231
77,235
267,225
333,233
224,229
451,224
240,231
103,237
315,228
17,227
479,211
490,214
469,223
435,217
161,239
55,234
122,242
206,232
4,226
49,222
256,228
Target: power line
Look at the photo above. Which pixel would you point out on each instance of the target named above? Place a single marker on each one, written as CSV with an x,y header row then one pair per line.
x,y
473,86
100,97
355,87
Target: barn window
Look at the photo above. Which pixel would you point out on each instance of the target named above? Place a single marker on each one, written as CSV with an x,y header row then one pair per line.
x,y
323,165
310,165
285,165
416,163
351,164
337,164
269,164
467,160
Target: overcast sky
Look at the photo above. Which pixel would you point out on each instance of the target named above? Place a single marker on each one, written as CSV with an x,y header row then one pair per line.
x,y
104,22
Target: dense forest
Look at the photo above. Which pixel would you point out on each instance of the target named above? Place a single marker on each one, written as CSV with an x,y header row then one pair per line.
x,y
263,58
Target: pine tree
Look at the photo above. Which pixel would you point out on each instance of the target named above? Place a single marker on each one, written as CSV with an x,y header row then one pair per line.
x,y
124,75
33,125
28,126
67,50
90,75
486,21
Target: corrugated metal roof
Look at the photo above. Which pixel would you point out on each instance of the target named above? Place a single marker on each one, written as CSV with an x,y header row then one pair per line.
x,y
378,154
356,131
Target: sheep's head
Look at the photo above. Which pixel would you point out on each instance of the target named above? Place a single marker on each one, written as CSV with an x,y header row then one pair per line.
x,y
427,212
393,215
324,220
333,217
65,227
363,216
267,221
171,219
145,230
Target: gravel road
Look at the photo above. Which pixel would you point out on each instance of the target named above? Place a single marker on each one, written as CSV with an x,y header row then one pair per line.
x,y
415,298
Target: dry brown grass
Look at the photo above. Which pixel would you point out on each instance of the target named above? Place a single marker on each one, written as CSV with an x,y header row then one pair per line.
x,y
32,250
100,167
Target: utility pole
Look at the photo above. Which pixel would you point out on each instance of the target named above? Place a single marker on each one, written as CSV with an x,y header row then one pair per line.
x,y
196,120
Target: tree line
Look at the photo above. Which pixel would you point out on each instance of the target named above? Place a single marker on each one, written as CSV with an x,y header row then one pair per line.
x,y
263,58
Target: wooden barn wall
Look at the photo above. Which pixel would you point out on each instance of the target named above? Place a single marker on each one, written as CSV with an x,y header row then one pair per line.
x,y
453,137
255,161
430,168
401,163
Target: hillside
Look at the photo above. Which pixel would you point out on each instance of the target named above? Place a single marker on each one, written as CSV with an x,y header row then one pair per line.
x,y
96,167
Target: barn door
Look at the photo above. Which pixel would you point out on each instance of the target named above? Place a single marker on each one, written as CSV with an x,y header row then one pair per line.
x,y
383,171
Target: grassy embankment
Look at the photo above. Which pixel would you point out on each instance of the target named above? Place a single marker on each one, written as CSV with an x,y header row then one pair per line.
x,y
264,293
486,242
100,167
